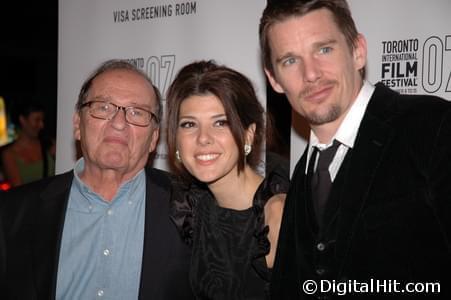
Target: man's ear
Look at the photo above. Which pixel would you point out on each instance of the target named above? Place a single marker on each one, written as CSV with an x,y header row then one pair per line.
x,y
154,142
272,80
360,52
76,124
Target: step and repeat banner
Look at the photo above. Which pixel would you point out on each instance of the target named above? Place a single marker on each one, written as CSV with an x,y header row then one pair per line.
x,y
409,50
160,37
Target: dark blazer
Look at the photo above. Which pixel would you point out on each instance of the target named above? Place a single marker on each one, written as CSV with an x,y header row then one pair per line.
x,y
33,217
389,212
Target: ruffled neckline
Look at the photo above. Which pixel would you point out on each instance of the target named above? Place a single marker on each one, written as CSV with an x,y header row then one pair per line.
x,y
186,197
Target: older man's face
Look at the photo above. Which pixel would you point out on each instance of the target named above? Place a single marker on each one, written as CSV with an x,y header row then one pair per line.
x,y
115,145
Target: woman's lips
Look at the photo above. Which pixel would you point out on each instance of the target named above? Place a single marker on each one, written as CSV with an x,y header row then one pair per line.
x,y
206,158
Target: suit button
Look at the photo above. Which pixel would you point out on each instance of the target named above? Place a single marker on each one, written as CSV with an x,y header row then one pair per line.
x,y
320,246
320,271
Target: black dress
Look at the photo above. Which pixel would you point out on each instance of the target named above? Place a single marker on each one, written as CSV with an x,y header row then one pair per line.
x,y
228,246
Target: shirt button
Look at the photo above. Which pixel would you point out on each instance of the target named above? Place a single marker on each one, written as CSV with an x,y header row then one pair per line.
x,y
106,252
321,247
130,202
109,212
100,293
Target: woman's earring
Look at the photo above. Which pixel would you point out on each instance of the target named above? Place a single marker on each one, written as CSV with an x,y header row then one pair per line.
x,y
177,155
247,149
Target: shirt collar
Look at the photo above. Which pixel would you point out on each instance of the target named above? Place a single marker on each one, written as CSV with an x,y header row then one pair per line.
x,y
347,132
92,197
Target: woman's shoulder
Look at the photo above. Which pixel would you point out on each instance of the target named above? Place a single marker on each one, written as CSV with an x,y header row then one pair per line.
x,y
275,183
8,151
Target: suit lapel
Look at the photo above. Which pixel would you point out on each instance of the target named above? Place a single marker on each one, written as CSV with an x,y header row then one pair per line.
x,y
155,251
47,232
304,218
299,192
371,146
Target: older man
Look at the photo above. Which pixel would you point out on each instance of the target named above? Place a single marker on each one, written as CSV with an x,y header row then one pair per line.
x,y
101,230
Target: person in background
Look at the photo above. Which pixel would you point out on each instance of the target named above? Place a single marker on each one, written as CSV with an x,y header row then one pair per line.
x,y
370,198
101,230
226,211
31,156
2,249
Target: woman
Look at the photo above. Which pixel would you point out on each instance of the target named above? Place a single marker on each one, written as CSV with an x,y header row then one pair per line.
x,y
29,157
224,208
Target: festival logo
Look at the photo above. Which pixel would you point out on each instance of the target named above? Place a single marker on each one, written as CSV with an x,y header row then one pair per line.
x,y
410,64
160,70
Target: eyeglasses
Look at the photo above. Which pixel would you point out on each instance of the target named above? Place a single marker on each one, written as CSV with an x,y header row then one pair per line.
x,y
133,115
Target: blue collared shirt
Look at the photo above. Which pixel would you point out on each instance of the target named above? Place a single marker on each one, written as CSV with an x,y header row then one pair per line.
x,y
102,243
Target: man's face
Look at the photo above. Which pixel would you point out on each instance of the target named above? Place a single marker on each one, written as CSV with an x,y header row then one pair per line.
x,y
315,67
114,144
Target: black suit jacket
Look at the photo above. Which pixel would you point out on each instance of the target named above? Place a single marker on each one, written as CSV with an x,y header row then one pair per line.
x,y
33,218
389,212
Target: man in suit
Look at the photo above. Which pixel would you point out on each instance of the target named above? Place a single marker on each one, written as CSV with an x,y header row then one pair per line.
x,y
103,229
380,209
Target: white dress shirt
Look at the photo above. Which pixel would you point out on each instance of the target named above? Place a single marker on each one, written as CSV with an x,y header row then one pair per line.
x,y
346,133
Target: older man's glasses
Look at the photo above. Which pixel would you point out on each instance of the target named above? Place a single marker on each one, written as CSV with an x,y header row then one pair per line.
x,y
133,115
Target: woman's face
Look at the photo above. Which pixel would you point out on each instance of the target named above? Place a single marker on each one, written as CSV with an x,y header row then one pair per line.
x,y
205,143
32,124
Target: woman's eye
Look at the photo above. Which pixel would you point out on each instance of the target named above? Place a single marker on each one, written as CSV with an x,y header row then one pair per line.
x,y
186,124
221,123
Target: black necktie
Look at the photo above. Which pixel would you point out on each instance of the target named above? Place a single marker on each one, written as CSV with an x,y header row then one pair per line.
x,y
321,180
